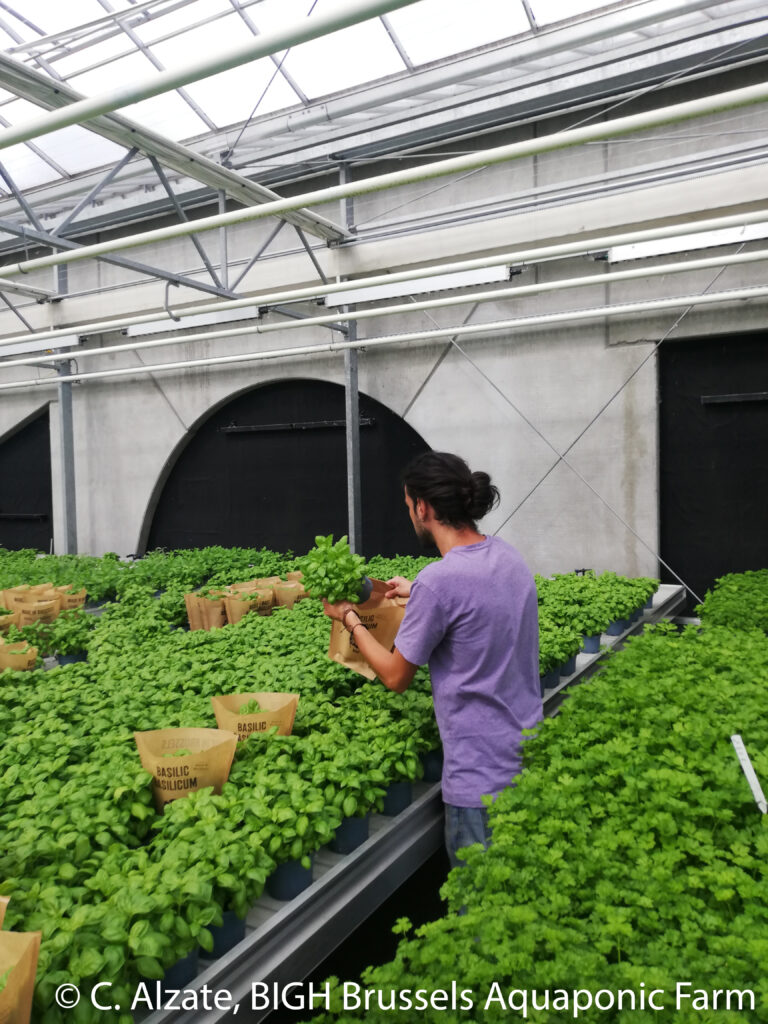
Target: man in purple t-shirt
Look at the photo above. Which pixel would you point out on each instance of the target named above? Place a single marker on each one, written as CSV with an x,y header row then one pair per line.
x,y
473,618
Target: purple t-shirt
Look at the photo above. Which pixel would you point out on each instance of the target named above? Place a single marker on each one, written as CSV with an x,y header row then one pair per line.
x,y
473,618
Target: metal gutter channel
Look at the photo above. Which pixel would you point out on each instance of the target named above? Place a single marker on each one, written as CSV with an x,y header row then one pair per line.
x,y
286,941
289,940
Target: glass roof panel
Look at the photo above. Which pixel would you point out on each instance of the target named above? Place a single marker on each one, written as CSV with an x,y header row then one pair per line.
x,y
213,37
440,28
76,149
54,17
85,56
232,96
344,59
547,11
92,52
26,168
167,114
179,18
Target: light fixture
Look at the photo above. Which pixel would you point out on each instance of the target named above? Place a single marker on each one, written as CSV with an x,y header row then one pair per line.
x,y
436,283
685,243
223,316
24,347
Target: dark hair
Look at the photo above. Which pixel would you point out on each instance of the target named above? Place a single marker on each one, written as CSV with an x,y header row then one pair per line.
x,y
457,495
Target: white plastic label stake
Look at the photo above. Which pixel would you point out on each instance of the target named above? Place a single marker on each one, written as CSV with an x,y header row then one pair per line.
x,y
749,772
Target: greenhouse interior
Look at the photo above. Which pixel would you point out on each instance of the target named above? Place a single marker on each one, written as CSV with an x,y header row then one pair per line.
x,y
460,666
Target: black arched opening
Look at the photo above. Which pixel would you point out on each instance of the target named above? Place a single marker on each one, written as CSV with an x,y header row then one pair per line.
x,y
26,501
268,469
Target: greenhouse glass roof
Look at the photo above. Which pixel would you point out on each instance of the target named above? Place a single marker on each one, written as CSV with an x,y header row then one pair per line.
x,y
90,44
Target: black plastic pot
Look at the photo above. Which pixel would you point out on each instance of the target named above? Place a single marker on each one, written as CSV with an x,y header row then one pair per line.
x,y
350,834
288,880
432,762
226,935
70,659
591,644
397,798
182,972
618,627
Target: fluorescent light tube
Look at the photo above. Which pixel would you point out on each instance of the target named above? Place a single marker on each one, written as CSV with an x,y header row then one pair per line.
x,y
437,283
685,243
224,316
68,341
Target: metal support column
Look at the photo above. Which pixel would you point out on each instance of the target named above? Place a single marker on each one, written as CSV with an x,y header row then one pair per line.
x,y
352,406
67,454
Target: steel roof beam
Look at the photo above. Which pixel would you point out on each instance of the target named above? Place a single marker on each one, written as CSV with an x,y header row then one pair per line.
x,y
94,192
44,238
183,216
53,95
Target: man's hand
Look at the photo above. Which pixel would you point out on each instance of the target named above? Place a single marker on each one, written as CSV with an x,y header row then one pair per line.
x,y
338,610
399,586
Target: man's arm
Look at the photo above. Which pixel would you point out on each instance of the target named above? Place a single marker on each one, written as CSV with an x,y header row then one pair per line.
x,y
390,666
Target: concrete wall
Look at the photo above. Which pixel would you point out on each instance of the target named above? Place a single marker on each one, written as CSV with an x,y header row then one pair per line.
x,y
510,402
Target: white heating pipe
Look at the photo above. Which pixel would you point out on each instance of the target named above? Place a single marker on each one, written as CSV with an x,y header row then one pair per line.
x,y
500,295
440,168
515,257
521,323
350,12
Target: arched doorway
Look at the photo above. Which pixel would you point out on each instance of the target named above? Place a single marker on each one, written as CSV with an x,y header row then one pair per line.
x,y
268,469
26,502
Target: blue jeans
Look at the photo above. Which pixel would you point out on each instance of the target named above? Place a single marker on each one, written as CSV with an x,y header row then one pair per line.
x,y
463,827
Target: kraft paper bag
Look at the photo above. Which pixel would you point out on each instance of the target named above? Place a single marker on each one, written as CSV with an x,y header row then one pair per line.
x,y
19,656
4,901
207,764
69,598
18,954
277,709
267,581
212,611
238,605
192,602
295,574
35,610
6,621
13,595
382,617
287,594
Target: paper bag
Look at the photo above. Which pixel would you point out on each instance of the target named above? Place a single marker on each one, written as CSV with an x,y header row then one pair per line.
x,y
382,617
69,600
267,581
4,901
212,610
19,656
13,595
245,588
34,610
19,952
207,764
287,594
238,605
277,709
192,602
6,621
